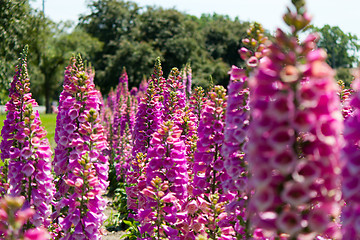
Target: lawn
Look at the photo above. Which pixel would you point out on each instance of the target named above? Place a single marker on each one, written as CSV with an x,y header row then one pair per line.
x,y
48,121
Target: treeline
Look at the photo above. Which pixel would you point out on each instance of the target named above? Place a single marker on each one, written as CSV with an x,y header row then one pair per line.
x,y
133,37
119,34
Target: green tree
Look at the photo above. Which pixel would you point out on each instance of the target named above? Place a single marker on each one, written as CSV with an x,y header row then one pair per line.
x,y
51,45
111,22
173,33
134,37
223,37
341,47
136,57
13,31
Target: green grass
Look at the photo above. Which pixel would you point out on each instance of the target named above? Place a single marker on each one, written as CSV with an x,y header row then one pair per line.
x,y
48,122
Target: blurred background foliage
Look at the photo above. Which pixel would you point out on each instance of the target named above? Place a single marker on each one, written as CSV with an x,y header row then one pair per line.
x,y
117,34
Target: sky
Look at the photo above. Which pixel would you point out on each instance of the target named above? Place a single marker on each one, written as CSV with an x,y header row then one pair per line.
x,y
267,12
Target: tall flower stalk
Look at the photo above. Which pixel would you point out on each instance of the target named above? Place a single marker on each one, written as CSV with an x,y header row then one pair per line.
x,y
148,118
350,173
26,149
80,165
236,126
208,199
123,124
294,138
166,181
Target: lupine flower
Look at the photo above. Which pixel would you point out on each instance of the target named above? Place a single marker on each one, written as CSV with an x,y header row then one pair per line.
x,y
294,138
80,166
14,218
26,148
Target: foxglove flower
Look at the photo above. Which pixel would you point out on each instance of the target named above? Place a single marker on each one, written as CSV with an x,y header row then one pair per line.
x,y
79,164
122,126
149,117
174,96
25,148
197,102
294,138
207,193
236,125
186,75
4,185
166,179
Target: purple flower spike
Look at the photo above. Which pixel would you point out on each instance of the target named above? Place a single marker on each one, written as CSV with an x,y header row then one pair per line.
x,y
80,164
26,150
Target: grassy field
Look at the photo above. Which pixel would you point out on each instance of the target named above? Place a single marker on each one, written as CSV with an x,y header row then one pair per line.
x,y
48,121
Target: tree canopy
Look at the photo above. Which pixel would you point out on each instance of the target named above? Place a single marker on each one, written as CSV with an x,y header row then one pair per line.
x,y
341,47
133,37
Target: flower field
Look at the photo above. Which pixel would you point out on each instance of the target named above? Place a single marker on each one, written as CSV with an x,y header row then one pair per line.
x,y
273,156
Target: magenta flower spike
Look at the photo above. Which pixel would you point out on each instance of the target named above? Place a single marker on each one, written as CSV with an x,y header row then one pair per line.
x,y
207,201
174,97
4,185
235,133
120,149
183,74
111,101
161,214
350,185
107,121
197,101
189,79
80,165
26,149
150,112
186,75
233,147
295,139
149,117
140,93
